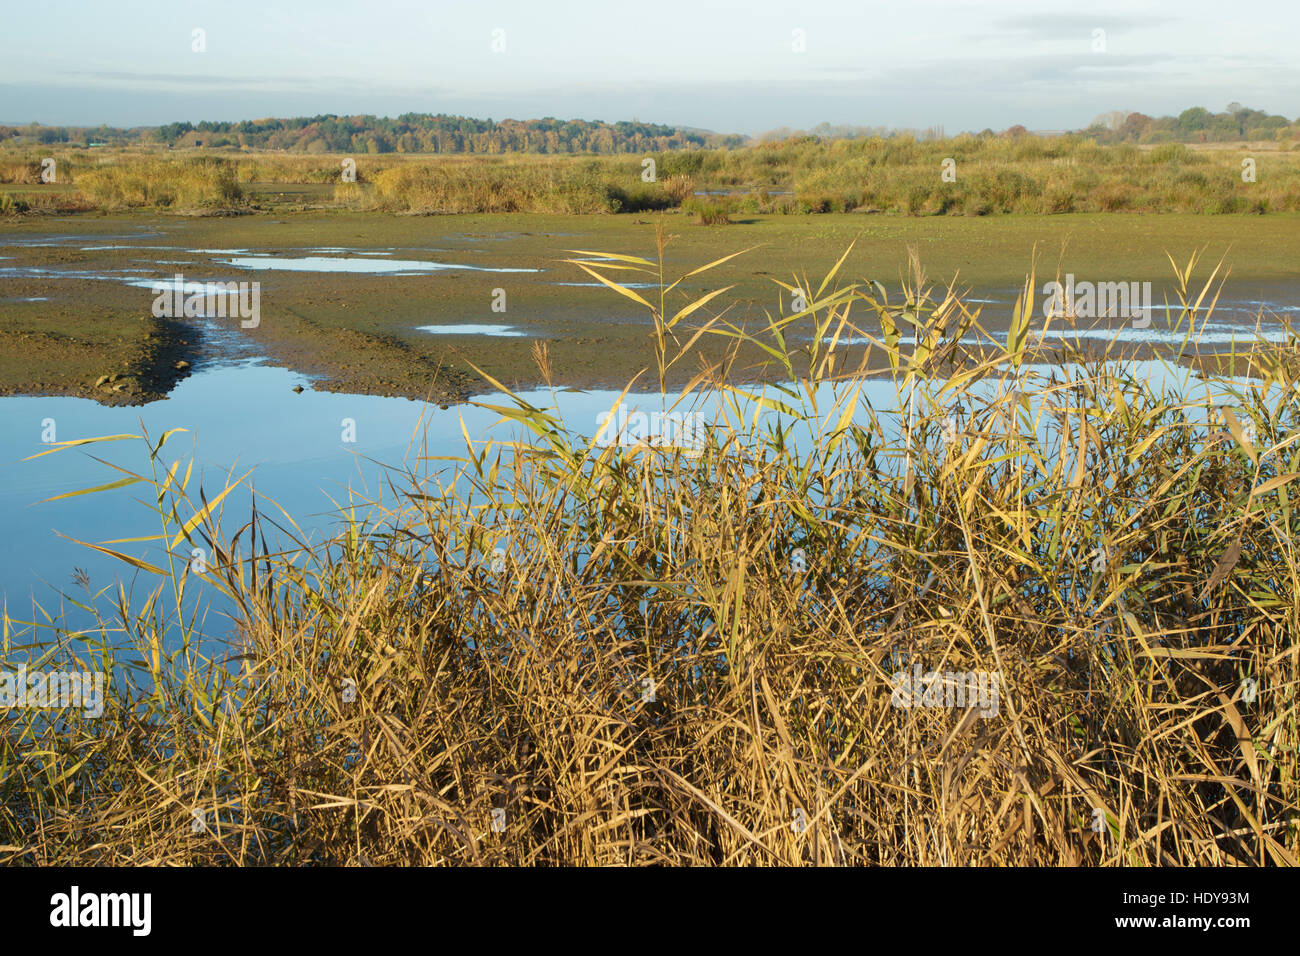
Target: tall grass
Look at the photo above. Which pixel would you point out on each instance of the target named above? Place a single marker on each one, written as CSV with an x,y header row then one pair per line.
x,y
486,638
899,175
190,183
526,187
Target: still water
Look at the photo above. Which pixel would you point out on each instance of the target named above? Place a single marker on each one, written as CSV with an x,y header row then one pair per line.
x,y
306,451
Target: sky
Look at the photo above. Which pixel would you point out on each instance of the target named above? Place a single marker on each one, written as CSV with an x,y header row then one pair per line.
x,y
743,67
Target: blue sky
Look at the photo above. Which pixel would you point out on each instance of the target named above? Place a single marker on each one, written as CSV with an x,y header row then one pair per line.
x,y
962,64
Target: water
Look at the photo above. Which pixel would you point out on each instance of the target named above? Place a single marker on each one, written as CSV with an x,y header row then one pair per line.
x,y
241,416
1207,333
601,285
501,330
400,267
246,415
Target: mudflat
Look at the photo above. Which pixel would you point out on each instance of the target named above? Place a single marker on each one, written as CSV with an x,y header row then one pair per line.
x,y
350,297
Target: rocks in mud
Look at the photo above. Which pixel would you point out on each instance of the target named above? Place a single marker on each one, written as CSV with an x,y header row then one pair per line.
x,y
118,382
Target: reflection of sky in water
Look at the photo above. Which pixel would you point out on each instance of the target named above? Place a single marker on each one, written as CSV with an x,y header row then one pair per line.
x,y
374,266
1207,333
185,286
39,272
601,285
346,250
247,415
501,330
103,248
339,264
49,242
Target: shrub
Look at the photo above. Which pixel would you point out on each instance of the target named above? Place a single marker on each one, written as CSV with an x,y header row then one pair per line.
x,y
1057,200
707,212
1172,153
1113,197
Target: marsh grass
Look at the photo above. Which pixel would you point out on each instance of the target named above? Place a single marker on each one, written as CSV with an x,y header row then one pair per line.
x,y
588,187
708,213
502,616
188,183
898,175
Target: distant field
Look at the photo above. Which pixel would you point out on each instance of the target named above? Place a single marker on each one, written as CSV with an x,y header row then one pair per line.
x,y
968,175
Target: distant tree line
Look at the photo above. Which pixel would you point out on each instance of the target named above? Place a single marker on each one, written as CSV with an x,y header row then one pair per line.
x,y
1195,125
408,133
427,133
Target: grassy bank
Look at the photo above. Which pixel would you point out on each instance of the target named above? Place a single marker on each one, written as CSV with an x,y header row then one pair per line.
x,y
966,175
585,655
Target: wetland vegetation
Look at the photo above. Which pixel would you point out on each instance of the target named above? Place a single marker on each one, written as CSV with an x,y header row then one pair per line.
x,y
560,650
550,648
